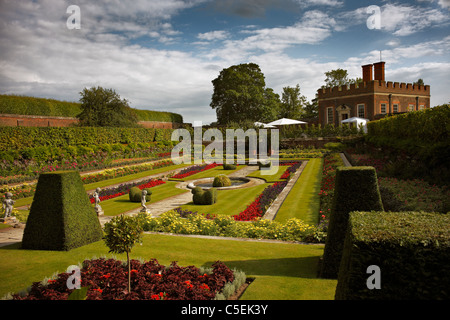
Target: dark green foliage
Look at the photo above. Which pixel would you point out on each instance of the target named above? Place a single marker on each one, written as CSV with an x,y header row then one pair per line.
x,y
412,250
12,104
240,94
229,166
204,197
21,138
356,189
61,216
221,181
136,194
104,108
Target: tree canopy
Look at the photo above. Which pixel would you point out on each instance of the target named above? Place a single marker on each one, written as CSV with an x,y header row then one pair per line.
x,y
339,77
240,94
104,108
292,103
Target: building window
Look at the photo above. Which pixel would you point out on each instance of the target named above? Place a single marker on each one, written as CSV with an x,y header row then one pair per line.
x,y
411,107
383,108
421,107
330,118
361,113
395,108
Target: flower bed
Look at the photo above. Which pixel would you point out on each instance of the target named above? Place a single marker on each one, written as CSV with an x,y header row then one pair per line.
x,y
193,170
110,193
107,280
293,166
225,226
413,195
330,163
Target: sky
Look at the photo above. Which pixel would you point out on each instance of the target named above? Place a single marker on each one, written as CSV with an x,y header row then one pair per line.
x,y
163,54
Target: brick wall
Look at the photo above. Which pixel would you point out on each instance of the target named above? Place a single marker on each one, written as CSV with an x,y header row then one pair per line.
x,y
14,120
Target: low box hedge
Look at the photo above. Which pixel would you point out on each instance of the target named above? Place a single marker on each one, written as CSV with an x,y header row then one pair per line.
x,y
356,189
411,249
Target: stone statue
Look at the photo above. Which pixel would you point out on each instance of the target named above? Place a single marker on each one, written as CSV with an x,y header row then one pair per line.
x,y
143,202
8,205
98,208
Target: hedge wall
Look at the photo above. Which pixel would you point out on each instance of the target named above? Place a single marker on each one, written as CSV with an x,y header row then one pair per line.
x,y
412,250
61,215
356,188
12,104
20,138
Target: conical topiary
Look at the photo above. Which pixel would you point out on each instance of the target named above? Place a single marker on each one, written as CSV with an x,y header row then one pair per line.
x,y
61,215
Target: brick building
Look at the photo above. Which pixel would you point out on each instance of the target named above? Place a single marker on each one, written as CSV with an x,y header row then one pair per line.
x,y
372,99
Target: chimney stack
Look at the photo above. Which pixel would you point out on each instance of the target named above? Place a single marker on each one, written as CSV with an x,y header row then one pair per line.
x,y
367,72
379,70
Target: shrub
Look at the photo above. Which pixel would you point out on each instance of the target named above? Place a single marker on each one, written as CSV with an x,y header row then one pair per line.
x,y
135,194
61,216
227,166
221,181
204,197
356,188
412,250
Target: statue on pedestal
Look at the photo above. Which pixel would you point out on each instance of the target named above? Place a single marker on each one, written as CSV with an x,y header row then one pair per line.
x,y
143,202
98,208
8,205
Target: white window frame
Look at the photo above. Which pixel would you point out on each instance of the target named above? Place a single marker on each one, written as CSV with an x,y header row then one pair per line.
x,y
363,106
381,108
395,107
328,115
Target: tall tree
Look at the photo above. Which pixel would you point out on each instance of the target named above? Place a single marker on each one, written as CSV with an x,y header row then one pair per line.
x,y
240,94
292,103
104,108
339,77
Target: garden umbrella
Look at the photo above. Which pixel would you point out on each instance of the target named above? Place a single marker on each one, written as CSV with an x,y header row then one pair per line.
x,y
357,121
284,122
260,124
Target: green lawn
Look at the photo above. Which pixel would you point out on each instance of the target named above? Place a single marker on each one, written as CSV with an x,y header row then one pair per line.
x,y
106,183
229,202
122,204
303,200
282,271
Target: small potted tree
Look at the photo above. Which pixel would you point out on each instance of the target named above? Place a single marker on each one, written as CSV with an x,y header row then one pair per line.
x,y
121,234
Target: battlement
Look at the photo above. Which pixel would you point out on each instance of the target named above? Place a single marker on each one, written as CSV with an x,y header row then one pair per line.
x,y
374,86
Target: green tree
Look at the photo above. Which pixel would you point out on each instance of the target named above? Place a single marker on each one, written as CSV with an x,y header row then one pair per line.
x,y
104,108
311,110
240,94
121,234
339,77
292,103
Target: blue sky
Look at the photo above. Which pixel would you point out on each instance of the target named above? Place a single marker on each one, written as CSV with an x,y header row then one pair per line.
x,y
163,54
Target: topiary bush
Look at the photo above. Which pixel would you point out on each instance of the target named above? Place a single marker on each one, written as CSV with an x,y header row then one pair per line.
x,y
227,166
356,189
61,215
411,249
204,197
135,194
221,181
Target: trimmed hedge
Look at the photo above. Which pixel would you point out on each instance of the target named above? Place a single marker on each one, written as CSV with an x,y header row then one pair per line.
x,y
204,197
221,181
356,189
135,194
412,250
61,216
12,104
20,138
227,166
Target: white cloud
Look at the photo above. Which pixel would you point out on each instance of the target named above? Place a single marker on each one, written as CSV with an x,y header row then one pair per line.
x,y
213,35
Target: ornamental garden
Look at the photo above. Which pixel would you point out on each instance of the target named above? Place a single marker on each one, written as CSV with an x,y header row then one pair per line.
x,y
309,230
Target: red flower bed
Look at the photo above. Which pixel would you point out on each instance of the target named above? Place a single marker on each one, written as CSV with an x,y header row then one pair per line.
x,y
108,280
193,170
124,189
